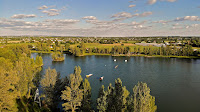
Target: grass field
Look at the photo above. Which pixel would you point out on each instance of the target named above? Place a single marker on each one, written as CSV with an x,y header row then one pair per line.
x,y
34,51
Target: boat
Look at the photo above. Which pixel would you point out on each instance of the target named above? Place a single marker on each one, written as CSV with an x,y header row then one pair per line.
x,y
125,60
115,60
101,78
89,75
116,66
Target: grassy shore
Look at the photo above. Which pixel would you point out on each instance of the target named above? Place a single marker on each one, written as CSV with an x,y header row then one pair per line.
x,y
89,54
190,57
142,55
34,51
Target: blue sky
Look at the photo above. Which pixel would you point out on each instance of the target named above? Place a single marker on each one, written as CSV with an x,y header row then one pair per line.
x,y
100,17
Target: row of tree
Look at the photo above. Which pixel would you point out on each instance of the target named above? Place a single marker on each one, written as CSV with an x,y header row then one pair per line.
x,y
76,94
186,50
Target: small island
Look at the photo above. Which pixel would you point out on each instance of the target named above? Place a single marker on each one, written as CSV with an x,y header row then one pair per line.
x,y
57,56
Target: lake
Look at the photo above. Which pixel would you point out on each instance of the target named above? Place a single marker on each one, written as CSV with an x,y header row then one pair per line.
x,y
174,82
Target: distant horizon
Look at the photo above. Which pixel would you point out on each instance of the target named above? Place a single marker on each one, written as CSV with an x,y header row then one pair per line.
x,y
105,18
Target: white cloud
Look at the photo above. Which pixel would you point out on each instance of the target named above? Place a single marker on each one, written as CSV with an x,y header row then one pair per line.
x,y
192,26
22,16
90,17
54,10
43,7
178,27
189,18
70,27
122,15
131,6
125,15
48,24
161,21
62,21
50,12
195,25
144,14
176,24
151,2
171,0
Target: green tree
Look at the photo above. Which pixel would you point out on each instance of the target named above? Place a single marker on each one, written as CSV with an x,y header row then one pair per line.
x,y
86,103
39,61
48,84
110,98
120,98
25,69
39,46
57,43
142,101
57,56
49,42
78,51
73,94
8,81
67,45
102,100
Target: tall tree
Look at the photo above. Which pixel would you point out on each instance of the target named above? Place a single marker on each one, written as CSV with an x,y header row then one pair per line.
x,y
110,98
77,73
8,81
49,87
73,94
102,100
86,103
142,100
25,71
121,94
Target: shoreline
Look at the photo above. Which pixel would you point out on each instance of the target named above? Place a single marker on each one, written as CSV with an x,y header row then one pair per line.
x,y
140,55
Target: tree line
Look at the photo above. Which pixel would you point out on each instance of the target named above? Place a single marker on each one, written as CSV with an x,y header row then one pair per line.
x,y
76,94
186,50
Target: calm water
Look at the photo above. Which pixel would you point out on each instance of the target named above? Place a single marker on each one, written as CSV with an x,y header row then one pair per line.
x,y
174,82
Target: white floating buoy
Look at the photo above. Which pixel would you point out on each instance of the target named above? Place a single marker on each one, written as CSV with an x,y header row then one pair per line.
x,y
125,60
115,60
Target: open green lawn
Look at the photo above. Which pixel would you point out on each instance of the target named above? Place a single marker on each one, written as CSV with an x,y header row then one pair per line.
x,y
129,42
198,48
9,44
34,51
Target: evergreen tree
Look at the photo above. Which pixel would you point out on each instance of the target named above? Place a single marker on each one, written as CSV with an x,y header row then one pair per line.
x,y
102,100
110,98
77,73
86,103
73,94
120,96
142,101
50,88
